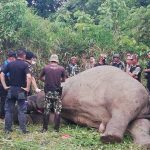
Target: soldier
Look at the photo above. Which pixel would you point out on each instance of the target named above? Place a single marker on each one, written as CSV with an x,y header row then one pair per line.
x,y
19,84
117,62
135,70
30,60
52,75
3,93
72,68
147,73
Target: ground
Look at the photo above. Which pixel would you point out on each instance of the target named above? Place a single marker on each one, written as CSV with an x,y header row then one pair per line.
x,y
70,137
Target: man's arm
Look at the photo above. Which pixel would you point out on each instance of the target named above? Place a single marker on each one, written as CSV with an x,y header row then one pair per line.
x,y
29,78
2,75
63,76
35,85
42,75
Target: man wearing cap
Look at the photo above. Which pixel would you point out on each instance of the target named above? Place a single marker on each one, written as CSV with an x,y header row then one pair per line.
x,y
135,70
19,84
30,61
52,75
3,93
72,68
117,62
147,72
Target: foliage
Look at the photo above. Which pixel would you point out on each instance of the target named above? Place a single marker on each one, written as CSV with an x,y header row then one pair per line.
x,y
45,7
70,137
78,26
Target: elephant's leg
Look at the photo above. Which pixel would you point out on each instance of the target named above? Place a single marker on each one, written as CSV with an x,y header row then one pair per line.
x,y
140,130
116,127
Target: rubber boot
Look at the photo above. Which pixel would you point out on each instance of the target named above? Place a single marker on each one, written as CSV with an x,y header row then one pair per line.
x,y
45,122
57,122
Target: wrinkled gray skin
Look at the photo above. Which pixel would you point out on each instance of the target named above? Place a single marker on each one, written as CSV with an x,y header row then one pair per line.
x,y
110,100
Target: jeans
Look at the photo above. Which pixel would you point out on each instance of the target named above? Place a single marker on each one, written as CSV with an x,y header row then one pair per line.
x,y
15,94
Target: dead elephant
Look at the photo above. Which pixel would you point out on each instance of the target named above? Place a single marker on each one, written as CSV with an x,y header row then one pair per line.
x,y
110,100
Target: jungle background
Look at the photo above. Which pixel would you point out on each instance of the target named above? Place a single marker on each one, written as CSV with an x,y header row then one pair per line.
x,y
72,27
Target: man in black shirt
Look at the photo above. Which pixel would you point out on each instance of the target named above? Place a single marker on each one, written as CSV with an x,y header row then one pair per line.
x,y
20,80
54,74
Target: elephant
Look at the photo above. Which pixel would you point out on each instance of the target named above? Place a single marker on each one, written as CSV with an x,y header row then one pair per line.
x,y
109,100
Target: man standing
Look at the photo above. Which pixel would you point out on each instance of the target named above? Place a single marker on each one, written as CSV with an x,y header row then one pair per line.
x,y
117,62
52,75
72,68
135,69
3,93
29,58
147,73
19,84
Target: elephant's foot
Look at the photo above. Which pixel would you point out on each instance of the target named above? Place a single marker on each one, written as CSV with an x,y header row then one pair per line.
x,y
140,130
110,139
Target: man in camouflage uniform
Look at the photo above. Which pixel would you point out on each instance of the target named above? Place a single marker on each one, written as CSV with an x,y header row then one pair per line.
x,y
52,75
117,62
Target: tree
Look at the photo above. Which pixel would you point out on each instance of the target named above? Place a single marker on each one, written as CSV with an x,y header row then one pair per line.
x,y
11,17
45,7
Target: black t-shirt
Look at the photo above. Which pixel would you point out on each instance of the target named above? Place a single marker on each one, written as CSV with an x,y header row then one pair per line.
x,y
17,73
53,75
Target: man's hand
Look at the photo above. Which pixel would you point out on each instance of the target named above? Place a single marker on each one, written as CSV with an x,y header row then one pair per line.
x,y
25,89
6,87
37,90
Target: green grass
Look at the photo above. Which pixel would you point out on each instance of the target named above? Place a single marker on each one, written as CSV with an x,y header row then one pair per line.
x,y
80,138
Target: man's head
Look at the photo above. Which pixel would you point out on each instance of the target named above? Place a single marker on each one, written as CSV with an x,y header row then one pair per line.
x,y
21,54
129,60
116,57
135,59
73,60
11,56
92,60
54,58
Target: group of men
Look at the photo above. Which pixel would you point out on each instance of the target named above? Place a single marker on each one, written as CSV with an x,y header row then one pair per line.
x,y
130,66
17,76
16,79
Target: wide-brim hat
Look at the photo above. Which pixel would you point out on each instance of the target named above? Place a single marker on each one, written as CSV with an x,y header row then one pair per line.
x,y
54,58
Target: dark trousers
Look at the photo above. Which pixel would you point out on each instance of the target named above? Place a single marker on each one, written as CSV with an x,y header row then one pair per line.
x,y
148,85
2,105
14,95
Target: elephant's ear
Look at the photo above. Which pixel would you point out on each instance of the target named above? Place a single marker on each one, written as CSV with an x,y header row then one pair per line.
x,y
40,100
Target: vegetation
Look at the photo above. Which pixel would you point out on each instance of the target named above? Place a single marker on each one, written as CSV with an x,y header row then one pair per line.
x,y
72,27
70,137
75,26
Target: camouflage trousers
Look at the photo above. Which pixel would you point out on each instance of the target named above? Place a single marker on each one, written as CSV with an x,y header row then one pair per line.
x,y
52,102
